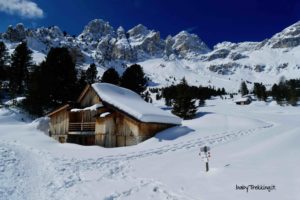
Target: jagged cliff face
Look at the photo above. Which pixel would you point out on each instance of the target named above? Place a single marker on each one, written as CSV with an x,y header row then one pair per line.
x,y
15,34
288,38
102,43
277,56
146,43
176,56
187,45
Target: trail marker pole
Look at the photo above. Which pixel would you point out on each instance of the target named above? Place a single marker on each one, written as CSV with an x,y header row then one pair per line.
x,y
206,156
207,168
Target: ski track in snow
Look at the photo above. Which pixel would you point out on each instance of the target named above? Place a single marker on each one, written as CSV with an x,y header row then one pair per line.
x,y
117,166
22,173
32,177
157,188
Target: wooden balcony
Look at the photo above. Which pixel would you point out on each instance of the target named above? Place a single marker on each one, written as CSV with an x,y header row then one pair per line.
x,y
81,128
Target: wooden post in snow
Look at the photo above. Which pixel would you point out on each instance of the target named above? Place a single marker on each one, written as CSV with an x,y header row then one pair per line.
x,y
205,157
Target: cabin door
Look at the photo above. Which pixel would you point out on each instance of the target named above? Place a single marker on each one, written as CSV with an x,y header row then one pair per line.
x,y
120,140
89,140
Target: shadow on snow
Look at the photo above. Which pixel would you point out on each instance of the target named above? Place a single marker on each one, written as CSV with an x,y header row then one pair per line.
x,y
178,131
173,133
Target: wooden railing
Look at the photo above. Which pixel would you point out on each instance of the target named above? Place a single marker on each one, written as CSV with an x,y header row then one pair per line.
x,y
81,127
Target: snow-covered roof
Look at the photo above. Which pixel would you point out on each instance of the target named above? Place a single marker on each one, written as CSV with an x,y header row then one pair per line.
x,y
243,99
248,95
105,114
131,103
90,108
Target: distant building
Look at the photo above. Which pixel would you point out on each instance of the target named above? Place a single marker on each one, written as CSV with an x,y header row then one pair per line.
x,y
109,116
245,100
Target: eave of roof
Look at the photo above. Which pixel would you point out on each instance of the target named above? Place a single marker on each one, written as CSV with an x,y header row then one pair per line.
x,y
83,92
58,110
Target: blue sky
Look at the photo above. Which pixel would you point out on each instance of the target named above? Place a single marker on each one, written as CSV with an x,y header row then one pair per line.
x,y
213,20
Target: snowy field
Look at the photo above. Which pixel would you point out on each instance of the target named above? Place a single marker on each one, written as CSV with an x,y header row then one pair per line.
x,y
256,144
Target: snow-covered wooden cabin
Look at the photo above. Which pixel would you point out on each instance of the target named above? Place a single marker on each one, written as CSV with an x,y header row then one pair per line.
x,y
244,100
109,116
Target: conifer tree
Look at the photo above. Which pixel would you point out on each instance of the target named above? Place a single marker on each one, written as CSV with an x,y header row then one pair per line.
x,y
111,76
244,89
260,91
1,91
256,90
21,61
169,94
283,91
91,74
147,97
223,92
157,96
276,93
53,83
3,61
201,102
184,104
60,76
263,93
293,97
82,81
134,79
36,97
286,91
76,55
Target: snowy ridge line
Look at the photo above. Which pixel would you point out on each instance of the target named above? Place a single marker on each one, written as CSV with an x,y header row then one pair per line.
x,y
167,60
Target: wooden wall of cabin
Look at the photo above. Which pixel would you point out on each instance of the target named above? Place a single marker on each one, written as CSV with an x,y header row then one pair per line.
x,y
59,125
118,129
150,129
105,131
129,126
90,98
83,116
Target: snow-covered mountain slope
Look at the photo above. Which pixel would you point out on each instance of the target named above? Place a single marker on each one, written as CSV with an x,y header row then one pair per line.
x,y
182,55
250,145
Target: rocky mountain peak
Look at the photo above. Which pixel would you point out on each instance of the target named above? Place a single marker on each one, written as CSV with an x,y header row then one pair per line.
x,y
186,43
96,29
225,45
287,38
121,32
15,34
138,31
53,32
144,42
101,44
291,31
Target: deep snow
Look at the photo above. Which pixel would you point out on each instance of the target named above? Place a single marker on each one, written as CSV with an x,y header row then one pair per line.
x,y
255,144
